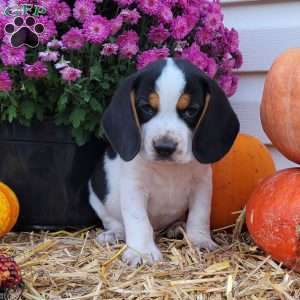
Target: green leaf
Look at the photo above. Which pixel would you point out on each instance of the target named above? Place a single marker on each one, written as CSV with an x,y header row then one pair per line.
x,y
81,136
4,96
86,96
122,68
27,109
30,87
77,116
95,105
99,132
12,113
62,102
105,85
96,72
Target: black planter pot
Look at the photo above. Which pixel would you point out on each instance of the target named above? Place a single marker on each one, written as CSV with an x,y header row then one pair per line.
x,y
49,174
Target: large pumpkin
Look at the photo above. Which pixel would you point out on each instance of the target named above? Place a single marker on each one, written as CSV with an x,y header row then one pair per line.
x,y
236,176
273,216
280,107
9,209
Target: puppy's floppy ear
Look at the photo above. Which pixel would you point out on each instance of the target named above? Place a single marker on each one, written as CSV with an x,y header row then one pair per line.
x,y
120,122
218,125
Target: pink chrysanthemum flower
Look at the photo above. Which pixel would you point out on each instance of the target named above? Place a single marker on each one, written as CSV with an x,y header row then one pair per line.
x,y
158,34
150,7
229,84
83,9
123,3
73,39
150,56
37,70
196,56
3,5
60,12
70,74
130,16
203,36
180,27
182,3
48,56
170,3
213,21
116,24
96,29
193,11
11,56
128,44
211,68
48,4
109,49
55,44
2,25
49,29
232,39
238,59
62,63
5,82
165,14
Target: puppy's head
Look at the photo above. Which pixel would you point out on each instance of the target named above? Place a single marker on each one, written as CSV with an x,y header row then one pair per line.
x,y
170,111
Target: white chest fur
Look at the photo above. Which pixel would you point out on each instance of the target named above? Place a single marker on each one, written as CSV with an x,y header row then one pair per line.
x,y
166,186
169,190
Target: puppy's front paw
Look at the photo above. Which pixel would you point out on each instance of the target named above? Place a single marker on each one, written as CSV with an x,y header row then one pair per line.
x,y
202,241
147,255
110,237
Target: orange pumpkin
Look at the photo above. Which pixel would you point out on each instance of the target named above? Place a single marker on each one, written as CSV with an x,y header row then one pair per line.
x,y
9,209
273,216
235,177
280,107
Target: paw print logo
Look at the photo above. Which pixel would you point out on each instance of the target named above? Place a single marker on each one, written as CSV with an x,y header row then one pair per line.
x,y
24,32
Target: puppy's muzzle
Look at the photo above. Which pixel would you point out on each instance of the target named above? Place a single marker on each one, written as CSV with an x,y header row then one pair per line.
x,y
164,147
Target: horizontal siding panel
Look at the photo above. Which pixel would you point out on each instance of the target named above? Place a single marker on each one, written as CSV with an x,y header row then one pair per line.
x,y
249,116
266,29
226,2
250,88
261,46
262,14
280,161
246,103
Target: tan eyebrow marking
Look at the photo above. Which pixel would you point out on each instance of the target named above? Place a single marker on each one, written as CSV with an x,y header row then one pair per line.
x,y
183,102
154,100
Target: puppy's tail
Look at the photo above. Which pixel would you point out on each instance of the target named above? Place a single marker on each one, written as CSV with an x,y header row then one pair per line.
x,y
96,203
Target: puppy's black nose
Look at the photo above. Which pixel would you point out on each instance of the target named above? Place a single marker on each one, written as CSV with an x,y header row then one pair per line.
x,y
165,147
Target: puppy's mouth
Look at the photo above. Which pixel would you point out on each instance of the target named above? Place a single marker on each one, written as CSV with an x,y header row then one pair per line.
x,y
164,159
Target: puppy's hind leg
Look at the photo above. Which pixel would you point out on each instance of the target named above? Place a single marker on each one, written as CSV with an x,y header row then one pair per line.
x,y
114,230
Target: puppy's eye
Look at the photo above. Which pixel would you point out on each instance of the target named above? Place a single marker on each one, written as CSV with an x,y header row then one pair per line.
x,y
190,112
147,109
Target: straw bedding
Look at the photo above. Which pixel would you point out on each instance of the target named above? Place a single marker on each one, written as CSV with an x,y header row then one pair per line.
x,y
71,265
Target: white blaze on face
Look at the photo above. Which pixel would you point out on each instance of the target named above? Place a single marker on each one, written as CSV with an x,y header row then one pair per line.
x,y
166,123
169,86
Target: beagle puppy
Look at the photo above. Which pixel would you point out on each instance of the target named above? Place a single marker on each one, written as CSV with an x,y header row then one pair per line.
x,y
166,124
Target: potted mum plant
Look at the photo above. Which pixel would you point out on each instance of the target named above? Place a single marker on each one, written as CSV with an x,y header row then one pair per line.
x,y
52,96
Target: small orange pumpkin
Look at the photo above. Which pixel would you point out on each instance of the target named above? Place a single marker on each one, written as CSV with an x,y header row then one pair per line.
x,y
280,107
236,176
9,209
273,216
